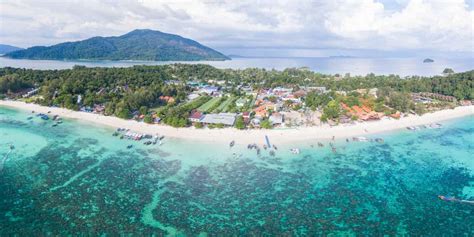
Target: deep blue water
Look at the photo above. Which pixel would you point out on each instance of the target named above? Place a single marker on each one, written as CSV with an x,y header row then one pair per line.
x,y
77,179
355,66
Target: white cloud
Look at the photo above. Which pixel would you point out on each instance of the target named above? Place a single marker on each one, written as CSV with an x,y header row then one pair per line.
x,y
440,25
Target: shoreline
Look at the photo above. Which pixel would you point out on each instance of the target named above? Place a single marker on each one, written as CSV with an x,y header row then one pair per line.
x,y
248,136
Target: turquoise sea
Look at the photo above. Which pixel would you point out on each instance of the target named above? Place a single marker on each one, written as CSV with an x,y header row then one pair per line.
x,y
77,179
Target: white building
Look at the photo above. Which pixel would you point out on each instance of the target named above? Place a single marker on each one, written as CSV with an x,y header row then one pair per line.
x,y
31,92
227,119
192,96
241,102
276,118
209,90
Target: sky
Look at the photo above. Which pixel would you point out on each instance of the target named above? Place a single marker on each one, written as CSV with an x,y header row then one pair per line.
x,y
276,28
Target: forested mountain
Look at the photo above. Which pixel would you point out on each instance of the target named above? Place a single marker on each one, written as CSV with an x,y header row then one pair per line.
x,y
137,45
5,48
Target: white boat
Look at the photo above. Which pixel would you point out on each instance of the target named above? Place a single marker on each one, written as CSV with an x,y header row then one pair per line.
x,y
295,151
360,139
435,125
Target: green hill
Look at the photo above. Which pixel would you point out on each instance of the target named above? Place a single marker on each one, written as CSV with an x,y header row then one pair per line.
x,y
4,48
137,45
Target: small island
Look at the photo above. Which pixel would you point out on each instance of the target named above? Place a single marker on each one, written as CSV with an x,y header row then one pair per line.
x,y
428,60
143,45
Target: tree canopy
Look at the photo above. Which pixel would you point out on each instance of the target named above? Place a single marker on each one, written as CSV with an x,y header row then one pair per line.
x,y
137,89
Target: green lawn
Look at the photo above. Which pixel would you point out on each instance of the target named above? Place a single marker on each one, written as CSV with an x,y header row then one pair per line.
x,y
209,104
229,105
189,105
224,105
196,103
250,104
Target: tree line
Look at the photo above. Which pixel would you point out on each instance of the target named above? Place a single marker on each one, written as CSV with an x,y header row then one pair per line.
x,y
124,91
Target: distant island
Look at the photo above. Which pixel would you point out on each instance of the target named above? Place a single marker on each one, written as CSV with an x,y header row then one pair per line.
x,y
148,45
428,60
5,48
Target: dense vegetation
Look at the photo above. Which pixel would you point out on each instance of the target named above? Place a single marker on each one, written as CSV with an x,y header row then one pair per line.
x,y
125,91
136,45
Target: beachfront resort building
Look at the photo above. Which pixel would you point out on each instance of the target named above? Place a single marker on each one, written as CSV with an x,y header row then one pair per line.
x,y
362,112
196,116
227,119
31,93
420,99
256,121
276,118
436,96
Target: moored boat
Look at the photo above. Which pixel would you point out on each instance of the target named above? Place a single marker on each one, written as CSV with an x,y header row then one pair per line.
x,y
295,151
435,125
360,139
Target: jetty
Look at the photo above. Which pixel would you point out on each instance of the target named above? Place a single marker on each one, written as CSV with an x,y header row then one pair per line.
x,y
267,141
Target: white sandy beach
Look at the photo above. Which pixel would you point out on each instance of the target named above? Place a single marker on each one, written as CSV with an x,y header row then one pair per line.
x,y
278,136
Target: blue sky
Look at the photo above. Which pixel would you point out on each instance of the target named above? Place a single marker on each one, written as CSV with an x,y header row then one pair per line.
x,y
298,28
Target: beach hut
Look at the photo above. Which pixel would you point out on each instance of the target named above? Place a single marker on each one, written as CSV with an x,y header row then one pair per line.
x,y
276,118
196,116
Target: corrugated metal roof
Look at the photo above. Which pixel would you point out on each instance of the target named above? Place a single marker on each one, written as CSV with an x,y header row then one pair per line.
x,y
224,118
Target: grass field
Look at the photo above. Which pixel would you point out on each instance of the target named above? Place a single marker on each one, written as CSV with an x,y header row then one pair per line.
x,y
250,104
189,105
208,105
224,105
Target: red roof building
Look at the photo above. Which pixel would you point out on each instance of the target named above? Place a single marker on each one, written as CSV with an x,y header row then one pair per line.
x,y
167,99
195,116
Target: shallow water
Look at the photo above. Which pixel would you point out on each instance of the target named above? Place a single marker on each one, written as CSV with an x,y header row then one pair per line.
x,y
77,178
